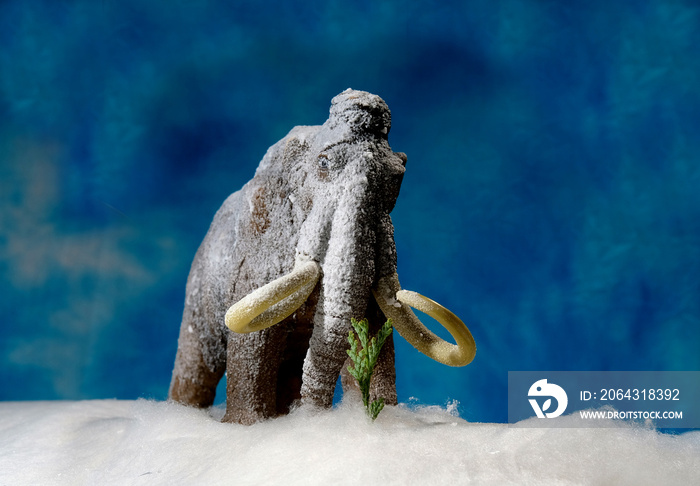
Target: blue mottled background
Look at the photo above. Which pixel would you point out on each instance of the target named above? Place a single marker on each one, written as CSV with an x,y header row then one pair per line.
x,y
552,197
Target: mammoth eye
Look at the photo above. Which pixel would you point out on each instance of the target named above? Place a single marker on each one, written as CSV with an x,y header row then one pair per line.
x,y
323,161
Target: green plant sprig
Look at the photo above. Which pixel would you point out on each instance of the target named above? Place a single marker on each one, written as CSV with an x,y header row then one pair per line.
x,y
364,354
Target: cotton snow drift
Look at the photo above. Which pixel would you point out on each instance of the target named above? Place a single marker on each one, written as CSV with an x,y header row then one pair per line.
x,y
143,442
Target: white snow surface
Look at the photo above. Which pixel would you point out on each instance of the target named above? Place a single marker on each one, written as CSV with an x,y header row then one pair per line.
x,y
109,442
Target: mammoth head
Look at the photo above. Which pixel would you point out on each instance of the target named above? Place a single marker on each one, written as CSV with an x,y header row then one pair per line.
x,y
346,242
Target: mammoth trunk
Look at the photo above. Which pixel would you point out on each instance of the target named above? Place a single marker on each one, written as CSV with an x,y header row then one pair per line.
x,y
348,272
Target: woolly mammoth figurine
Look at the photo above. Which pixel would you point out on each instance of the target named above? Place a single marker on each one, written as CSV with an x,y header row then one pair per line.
x,y
303,247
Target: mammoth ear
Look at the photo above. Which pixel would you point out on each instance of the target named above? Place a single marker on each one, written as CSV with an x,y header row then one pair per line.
x,y
396,303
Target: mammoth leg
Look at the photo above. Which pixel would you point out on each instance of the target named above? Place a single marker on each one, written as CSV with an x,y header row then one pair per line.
x,y
290,371
199,365
289,377
272,327
252,370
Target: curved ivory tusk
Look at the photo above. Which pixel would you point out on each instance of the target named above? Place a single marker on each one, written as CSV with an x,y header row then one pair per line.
x,y
275,301
395,303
